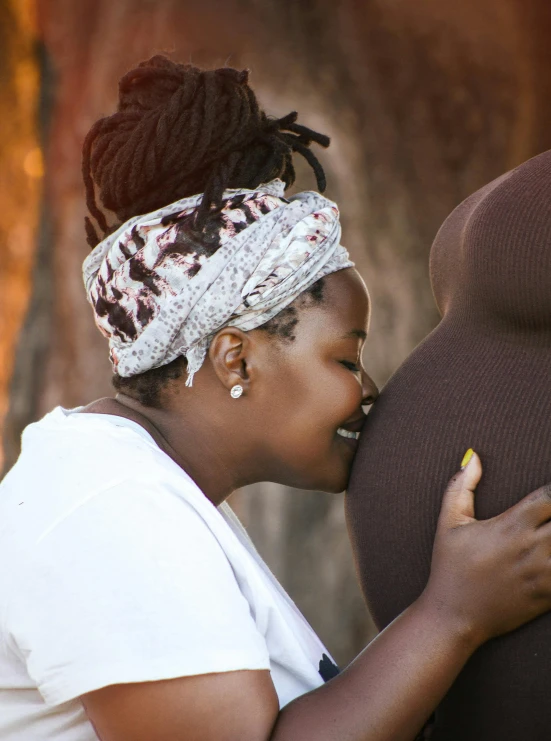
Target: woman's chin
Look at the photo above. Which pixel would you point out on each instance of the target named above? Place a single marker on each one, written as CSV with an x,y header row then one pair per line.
x,y
329,471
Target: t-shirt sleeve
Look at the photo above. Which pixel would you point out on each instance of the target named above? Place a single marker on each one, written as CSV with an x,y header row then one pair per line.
x,y
132,586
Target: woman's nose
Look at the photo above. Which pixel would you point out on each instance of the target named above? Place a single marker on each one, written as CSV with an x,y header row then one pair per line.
x,y
369,390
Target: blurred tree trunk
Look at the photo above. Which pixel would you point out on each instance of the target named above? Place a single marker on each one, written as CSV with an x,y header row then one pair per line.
x,y
424,101
21,170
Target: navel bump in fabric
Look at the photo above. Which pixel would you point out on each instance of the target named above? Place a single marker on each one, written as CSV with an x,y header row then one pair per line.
x,y
236,391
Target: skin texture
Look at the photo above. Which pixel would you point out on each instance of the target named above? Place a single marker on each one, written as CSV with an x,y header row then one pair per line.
x,y
487,577
296,395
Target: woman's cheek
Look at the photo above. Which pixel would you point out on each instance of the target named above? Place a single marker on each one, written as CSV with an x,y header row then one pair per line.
x,y
350,394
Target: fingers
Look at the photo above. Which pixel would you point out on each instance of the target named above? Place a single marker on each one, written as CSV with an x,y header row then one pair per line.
x,y
458,501
535,508
471,471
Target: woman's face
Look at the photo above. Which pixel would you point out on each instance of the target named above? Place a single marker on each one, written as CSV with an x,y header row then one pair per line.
x,y
313,388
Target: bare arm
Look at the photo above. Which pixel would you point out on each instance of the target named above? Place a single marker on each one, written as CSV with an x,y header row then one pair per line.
x,y
387,693
486,578
237,706
390,690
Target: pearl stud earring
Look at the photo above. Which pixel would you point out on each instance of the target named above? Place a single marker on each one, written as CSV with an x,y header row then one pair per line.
x,y
236,391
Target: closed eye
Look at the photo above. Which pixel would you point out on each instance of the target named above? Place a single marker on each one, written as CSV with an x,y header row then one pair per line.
x,y
354,367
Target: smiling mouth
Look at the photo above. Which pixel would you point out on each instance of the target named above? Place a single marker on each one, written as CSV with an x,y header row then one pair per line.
x,y
348,434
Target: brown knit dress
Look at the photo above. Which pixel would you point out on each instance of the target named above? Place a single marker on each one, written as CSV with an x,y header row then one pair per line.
x,y
481,379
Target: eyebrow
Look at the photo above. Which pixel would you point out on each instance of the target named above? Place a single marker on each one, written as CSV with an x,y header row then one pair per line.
x,y
356,333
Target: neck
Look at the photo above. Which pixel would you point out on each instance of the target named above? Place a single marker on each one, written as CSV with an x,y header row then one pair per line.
x,y
197,447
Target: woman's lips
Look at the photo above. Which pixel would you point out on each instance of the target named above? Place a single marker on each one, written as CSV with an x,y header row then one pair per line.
x,y
350,431
349,434
350,442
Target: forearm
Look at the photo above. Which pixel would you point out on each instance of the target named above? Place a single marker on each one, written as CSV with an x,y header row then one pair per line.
x,y
390,690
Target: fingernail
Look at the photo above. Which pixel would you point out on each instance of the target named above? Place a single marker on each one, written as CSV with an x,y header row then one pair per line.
x,y
466,458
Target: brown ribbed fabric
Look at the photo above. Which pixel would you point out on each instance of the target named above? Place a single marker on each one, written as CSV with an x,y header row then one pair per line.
x,y
481,379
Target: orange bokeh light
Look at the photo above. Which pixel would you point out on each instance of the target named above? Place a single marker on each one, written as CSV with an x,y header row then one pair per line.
x,y
20,182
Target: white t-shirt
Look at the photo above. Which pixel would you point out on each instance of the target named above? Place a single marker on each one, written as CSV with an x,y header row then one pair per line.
x,y
115,568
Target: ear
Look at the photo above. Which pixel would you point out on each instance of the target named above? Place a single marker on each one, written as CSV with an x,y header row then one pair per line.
x,y
228,354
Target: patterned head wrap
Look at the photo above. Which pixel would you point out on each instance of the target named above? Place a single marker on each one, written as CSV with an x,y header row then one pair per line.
x,y
160,290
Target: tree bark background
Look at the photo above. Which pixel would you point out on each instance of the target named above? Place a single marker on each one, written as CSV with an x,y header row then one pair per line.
x,y
425,101
21,170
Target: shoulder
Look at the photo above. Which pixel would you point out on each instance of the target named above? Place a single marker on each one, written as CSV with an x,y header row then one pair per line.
x,y
94,477
69,450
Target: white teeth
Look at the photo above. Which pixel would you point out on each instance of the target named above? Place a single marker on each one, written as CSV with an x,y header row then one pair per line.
x,y
347,433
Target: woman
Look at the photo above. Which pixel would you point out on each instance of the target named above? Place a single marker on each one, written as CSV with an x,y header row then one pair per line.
x,y
135,606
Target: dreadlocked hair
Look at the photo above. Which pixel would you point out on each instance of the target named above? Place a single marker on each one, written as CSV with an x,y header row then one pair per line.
x,y
179,131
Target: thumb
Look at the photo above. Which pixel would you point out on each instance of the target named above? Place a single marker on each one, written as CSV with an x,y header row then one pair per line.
x,y
458,501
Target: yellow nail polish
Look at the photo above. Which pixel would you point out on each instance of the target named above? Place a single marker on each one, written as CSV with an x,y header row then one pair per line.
x,y
467,457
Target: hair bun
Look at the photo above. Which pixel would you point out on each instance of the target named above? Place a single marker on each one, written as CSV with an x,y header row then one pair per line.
x,y
180,130
152,83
